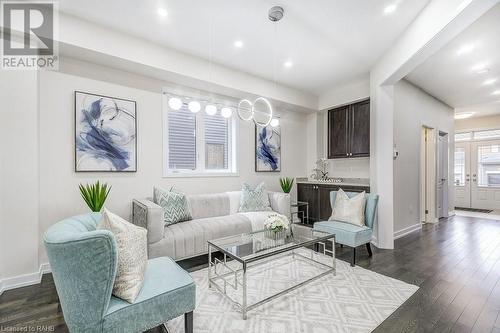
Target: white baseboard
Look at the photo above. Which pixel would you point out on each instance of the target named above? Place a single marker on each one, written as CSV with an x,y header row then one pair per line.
x,y
406,231
374,241
451,213
25,279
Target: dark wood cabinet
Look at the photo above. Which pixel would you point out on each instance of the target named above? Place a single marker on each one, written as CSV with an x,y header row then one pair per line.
x,y
338,139
349,131
318,197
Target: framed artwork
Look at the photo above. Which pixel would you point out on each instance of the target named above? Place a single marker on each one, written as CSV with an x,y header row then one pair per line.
x,y
267,149
105,134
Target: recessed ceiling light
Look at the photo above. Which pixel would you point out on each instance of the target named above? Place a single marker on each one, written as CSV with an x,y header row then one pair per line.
x,y
479,68
496,92
464,115
288,64
238,44
489,82
390,9
467,48
162,12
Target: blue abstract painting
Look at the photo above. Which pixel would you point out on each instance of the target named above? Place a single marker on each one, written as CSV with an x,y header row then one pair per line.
x,y
267,149
105,134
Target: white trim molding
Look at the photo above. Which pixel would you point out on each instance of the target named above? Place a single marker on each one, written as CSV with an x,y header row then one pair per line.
x,y
451,213
25,279
406,231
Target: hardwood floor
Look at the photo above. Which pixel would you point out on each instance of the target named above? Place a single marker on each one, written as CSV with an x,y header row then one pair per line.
x,y
456,263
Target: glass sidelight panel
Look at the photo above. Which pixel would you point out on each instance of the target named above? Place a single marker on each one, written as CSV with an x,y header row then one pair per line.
x,y
488,165
459,178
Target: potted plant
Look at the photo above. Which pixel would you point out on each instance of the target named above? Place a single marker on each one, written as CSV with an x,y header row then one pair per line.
x,y
286,184
94,195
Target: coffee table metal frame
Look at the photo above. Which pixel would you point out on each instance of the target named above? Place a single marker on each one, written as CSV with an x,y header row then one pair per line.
x,y
231,279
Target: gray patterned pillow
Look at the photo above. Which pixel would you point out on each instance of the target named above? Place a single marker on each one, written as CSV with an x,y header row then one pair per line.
x,y
254,199
175,205
131,247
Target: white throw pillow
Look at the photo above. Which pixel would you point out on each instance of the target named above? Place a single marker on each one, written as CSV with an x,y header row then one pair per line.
x,y
131,242
350,210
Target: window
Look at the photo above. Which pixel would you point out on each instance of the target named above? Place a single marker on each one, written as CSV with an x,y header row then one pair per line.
x,y
466,136
489,134
181,140
197,144
488,165
459,178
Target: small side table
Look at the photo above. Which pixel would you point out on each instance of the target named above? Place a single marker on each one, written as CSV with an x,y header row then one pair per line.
x,y
301,214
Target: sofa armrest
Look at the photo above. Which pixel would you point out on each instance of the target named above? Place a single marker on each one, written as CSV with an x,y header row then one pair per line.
x,y
280,202
149,215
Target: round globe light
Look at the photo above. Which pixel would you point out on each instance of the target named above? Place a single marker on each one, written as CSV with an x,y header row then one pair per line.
x,y
211,109
226,112
175,103
194,106
275,122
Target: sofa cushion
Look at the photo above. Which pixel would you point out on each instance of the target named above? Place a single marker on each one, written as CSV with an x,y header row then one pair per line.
x,y
175,205
187,239
131,242
346,233
168,292
208,205
254,199
349,209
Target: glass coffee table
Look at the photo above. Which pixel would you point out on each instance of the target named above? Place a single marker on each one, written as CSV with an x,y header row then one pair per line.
x,y
250,250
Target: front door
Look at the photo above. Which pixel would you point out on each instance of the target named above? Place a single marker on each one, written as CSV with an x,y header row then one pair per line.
x,y
462,175
477,174
485,171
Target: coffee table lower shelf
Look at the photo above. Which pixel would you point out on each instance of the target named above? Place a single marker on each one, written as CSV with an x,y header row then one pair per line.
x,y
237,278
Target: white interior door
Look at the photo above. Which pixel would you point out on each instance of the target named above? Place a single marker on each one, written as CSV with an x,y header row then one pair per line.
x,y
485,171
462,175
442,176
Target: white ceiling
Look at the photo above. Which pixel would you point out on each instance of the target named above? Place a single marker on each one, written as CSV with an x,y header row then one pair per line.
x,y
450,74
328,41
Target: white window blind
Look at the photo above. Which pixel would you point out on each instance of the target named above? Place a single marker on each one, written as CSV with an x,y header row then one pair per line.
x,y
182,139
216,142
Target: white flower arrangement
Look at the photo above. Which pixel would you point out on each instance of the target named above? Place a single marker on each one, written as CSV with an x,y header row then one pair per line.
x,y
277,223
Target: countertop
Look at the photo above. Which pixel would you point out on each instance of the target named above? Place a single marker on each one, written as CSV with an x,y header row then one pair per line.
x,y
362,182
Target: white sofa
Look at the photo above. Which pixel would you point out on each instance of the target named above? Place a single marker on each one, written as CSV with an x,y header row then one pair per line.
x,y
213,216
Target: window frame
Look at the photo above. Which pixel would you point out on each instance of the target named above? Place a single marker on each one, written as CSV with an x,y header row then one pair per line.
x,y
200,171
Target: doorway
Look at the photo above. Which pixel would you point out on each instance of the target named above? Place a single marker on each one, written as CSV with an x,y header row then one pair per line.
x,y
442,175
434,166
477,175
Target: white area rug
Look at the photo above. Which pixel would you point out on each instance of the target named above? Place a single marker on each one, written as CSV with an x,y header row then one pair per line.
x,y
355,300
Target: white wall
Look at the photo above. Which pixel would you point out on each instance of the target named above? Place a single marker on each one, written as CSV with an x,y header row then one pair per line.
x,y
18,174
414,108
477,123
344,94
60,197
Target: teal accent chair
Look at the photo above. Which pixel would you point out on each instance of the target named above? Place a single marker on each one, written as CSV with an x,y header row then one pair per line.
x,y
84,262
350,234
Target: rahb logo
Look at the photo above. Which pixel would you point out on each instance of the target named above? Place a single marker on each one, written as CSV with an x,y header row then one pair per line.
x,y
29,35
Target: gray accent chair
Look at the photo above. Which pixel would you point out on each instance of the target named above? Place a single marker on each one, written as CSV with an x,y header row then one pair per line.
x,y
213,216
350,234
84,262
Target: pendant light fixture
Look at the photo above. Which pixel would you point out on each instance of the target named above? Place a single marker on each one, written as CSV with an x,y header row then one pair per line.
x,y
262,106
